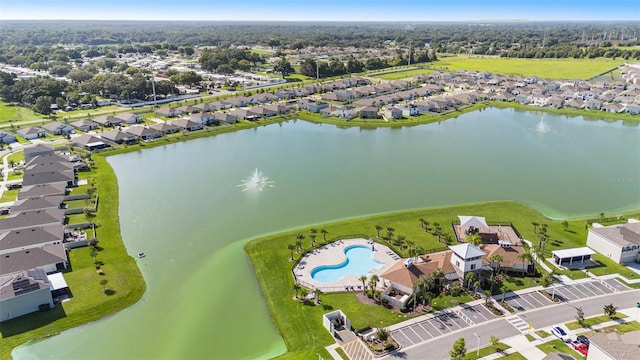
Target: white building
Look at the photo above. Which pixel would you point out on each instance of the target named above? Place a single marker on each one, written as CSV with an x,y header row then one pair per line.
x,y
466,257
620,243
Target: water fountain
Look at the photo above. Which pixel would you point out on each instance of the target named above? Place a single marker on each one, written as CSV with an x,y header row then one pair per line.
x,y
542,127
255,182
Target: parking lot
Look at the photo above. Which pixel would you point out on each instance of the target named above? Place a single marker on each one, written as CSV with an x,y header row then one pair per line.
x,y
447,321
441,324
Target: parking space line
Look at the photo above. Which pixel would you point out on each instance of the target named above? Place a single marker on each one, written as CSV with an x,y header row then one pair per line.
x,y
418,335
527,301
446,326
399,332
599,286
519,305
584,286
541,298
596,290
451,317
576,289
425,329
534,300
564,292
435,327
480,313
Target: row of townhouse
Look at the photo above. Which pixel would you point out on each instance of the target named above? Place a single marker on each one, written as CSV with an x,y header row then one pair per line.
x,y
34,238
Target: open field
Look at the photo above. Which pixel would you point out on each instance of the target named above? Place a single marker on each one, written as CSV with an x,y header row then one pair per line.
x,y
9,113
551,68
300,325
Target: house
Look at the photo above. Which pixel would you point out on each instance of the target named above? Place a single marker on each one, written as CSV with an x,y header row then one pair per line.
x,y
612,108
393,113
187,124
24,292
128,118
593,104
32,132
23,239
264,112
6,137
107,121
49,258
51,189
144,133
466,258
56,128
31,152
409,110
85,125
633,109
165,128
36,203
205,118
118,137
69,177
328,111
245,114
223,117
315,107
89,142
348,112
369,112
168,112
556,102
620,243
29,219
614,345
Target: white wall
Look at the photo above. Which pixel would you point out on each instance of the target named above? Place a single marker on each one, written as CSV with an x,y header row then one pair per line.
x,y
24,304
604,246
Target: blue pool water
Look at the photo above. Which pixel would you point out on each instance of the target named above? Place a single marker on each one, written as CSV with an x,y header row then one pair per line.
x,y
359,261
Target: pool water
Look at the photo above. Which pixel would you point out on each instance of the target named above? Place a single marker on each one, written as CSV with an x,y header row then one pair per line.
x,y
359,262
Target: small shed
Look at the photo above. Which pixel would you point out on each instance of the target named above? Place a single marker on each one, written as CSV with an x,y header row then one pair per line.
x,y
574,256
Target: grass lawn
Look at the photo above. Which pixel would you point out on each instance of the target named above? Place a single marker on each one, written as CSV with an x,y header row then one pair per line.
x,y
342,354
513,356
589,322
9,195
472,355
556,345
16,157
543,334
624,327
300,325
551,68
530,337
89,303
10,113
13,175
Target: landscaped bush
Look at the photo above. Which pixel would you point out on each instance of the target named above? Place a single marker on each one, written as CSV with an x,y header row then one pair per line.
x,y
494,309
506,306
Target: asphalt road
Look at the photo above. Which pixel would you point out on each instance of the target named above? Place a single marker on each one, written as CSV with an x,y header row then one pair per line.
x,y
555,314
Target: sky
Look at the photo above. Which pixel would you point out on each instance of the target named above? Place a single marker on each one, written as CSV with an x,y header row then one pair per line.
x,y
321,10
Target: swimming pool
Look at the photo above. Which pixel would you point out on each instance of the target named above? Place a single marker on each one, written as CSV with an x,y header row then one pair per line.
x,y
359,261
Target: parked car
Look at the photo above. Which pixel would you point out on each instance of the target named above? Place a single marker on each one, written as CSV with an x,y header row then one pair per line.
x,y
583,339
580,347
561,334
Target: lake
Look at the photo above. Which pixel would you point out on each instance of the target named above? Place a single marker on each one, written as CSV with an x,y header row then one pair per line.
x,y
181,205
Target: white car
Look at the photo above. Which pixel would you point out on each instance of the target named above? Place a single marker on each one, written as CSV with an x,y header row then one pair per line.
x,y
561,333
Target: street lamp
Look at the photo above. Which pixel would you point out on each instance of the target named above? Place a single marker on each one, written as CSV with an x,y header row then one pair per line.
x,y
478,351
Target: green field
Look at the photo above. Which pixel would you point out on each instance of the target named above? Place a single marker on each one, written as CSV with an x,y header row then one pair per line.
x,y
551,68
9,113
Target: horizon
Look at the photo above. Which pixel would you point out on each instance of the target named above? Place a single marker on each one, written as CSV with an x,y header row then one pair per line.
x,y
330,11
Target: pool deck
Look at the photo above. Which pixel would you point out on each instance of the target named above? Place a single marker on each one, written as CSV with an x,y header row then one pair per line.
x,y
333,254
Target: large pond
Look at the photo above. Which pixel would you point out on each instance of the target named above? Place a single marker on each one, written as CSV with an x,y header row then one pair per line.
x,y
181,204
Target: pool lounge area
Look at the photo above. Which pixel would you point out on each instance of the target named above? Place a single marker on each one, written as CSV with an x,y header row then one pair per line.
x,y
332,255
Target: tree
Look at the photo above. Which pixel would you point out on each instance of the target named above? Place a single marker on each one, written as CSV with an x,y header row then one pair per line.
x,y
494,342
291,247
390,231
470,277
487,296
526,258
459,350
610,310
303,293
504,290
373,281
296,287
548,279
565,225
580,316
104,282
382,334
89,215
299,239
43,105
283,67
495,261
363,278
312,235
476,286
421,223
324,234
535,226
378,228
317,292
474,239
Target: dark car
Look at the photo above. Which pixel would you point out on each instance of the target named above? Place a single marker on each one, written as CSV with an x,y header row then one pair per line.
x,y
14,186
583,339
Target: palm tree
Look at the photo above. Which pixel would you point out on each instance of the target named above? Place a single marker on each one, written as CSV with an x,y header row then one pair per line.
x,y
400,241
363,278
303,293
312,235
476,286
497,260
437,276
299,239
535,226
390,231
291,247
526,258
487,295
421,223
504,290
317,292
474,239
324,234
373,282
565,225
470,277
378,228
296,287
